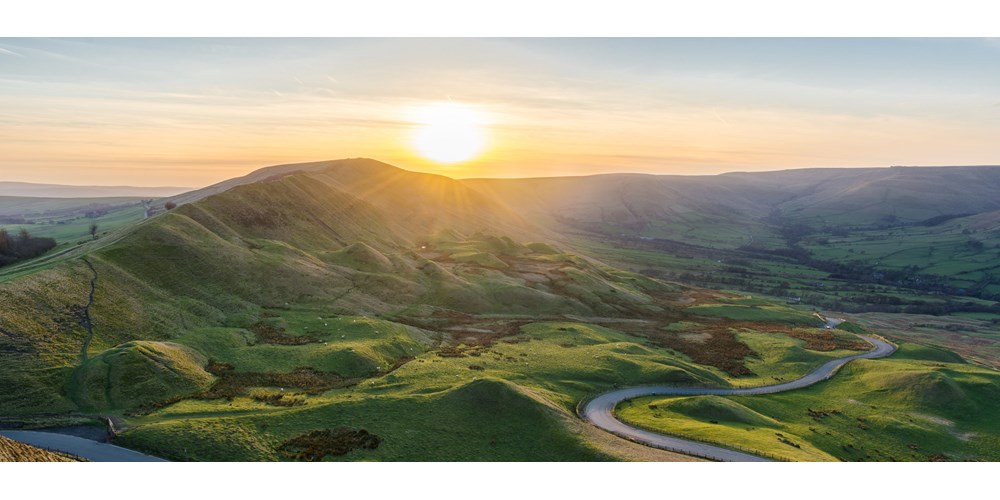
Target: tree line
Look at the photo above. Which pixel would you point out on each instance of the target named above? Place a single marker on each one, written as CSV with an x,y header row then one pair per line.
x,y
22,246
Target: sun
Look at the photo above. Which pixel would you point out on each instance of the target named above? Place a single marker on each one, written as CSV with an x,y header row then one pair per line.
x,y
449,132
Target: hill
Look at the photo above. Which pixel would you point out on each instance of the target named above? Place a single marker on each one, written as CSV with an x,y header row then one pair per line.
x,y
313,291
353,310
820,196
922,404
915,240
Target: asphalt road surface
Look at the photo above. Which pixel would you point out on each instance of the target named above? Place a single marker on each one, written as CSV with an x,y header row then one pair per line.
x,y
85,448
600,410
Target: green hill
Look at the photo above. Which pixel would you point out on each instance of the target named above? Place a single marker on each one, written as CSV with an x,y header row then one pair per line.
x,y
350,305
282,294
921,404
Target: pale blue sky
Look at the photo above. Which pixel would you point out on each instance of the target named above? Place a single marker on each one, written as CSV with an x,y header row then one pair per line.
x,y
195,111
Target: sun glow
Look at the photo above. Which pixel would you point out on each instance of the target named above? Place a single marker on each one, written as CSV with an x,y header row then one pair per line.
x,y
449,132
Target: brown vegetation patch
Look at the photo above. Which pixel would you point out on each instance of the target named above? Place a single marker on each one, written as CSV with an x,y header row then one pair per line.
x,y
722,350
16,451
699,296
232,383
714,345
218,368
825,340
278,399
819,414
317,444
466,334
270,334
459,351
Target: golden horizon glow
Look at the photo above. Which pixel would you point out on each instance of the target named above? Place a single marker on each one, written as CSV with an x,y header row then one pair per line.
x,y
192,112
449,132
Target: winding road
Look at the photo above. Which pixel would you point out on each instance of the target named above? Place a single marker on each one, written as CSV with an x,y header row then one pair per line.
x,y
84,448
600,410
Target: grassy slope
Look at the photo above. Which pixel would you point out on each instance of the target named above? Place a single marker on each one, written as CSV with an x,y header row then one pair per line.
x,y
486,419
692,230
301,253
422,410
185,287
14,451
554,364
921,404
138,373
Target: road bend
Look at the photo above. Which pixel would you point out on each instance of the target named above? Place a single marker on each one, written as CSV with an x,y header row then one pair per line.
x,y
600,410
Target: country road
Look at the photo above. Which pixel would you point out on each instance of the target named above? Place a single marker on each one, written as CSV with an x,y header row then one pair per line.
x,y
84,448
600,410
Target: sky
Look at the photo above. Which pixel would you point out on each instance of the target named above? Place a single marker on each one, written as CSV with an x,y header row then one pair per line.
x,y
191,112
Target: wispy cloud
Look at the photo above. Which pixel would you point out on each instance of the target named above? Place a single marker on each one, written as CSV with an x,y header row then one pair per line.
x,y
9,52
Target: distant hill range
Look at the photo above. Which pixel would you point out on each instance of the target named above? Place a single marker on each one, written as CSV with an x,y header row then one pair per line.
x,y
28,189
812,195
816,196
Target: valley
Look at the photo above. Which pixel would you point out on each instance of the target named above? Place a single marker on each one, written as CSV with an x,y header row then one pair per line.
x,y
352,310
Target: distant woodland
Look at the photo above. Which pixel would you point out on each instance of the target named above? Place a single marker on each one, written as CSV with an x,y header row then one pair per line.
x,y
22,246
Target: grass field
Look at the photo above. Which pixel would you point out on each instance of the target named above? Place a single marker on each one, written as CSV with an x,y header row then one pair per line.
x,y
772,312
66,219
433,407
943,268
920,404
975,339
303,318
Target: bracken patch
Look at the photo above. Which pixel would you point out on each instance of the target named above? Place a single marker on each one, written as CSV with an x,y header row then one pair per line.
x,y
269,334
723,350
232,383
315,445
825,340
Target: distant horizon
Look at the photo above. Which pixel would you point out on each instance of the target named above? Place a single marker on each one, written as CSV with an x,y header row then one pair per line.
x,y
254,169
193,111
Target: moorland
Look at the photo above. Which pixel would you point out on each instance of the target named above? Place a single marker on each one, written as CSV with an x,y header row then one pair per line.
x,y
352,310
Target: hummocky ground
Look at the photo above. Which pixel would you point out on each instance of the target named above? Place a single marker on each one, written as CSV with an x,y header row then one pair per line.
x,y
350,310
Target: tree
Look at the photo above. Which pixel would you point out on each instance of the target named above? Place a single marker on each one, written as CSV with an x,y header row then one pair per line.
x,y
170,205
25,246
93,230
